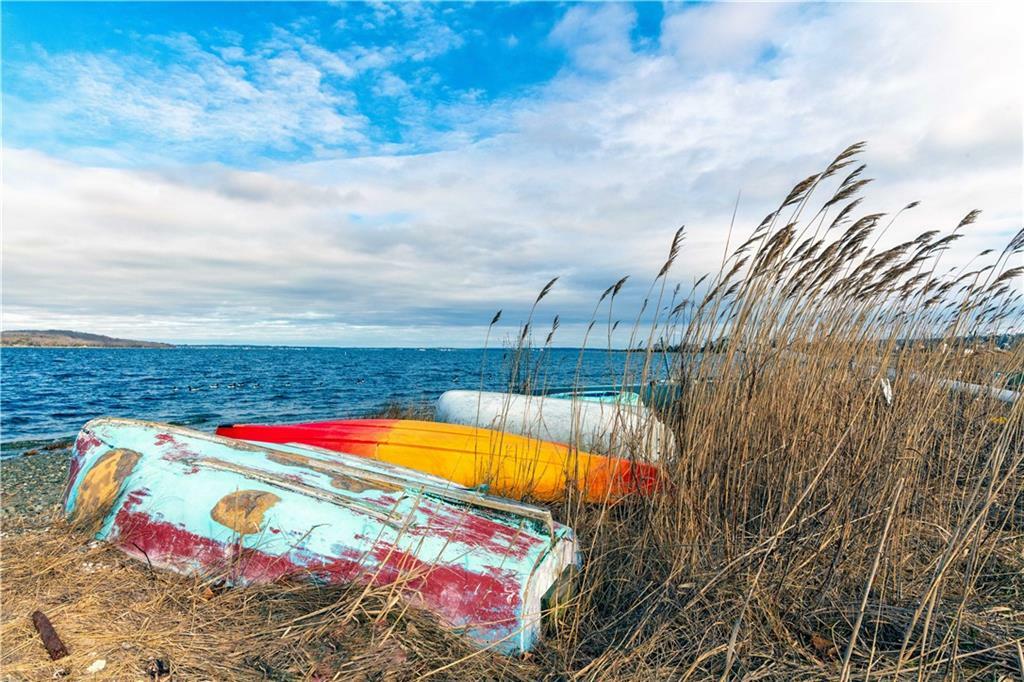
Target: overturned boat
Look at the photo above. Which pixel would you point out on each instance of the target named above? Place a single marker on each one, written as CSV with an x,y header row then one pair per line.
x,y
661,395
200,504
612,428
505,463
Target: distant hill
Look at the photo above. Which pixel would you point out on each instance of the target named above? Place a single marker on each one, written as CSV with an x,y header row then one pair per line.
x,y
64,338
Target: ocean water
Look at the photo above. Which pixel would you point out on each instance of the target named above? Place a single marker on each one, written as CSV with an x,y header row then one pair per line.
x,y
49,393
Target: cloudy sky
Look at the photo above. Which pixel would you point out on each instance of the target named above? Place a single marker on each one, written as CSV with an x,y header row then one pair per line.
x,y
391,175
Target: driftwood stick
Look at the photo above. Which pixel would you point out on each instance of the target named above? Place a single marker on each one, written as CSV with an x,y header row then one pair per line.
x,y
51,641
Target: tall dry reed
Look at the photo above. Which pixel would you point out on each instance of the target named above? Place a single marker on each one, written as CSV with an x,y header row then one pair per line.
x,y
836,508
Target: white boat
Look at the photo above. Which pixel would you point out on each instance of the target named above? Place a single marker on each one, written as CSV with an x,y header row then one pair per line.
x,y
612,428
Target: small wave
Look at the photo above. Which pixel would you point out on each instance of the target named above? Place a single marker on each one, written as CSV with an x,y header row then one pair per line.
x,y
44,399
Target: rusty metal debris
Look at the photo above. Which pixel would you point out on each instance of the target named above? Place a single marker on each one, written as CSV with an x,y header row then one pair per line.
x,y
54,646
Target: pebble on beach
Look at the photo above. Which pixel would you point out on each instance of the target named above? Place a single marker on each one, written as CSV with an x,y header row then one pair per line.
x,y
30,486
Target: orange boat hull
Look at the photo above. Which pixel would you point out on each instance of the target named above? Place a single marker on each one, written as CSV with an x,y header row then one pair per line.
x,y
506,464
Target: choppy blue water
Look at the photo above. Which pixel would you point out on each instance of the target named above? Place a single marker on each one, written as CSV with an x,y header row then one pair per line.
x,y
49,393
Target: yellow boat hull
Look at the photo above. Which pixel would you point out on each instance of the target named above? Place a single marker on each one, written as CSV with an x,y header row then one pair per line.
x,y
504,463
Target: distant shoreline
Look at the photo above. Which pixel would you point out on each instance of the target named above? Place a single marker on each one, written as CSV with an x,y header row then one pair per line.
x,y
66,338
41,347
56,347
180,346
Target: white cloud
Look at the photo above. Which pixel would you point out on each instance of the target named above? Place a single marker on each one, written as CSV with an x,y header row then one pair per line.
x,y
597,36
283,94
587,178
731,34
390,85
202,102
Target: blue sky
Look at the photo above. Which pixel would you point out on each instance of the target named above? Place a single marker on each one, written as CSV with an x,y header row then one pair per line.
x,y
391,174
386,76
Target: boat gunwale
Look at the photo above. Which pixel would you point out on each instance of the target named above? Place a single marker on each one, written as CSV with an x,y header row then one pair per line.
x,y
479,500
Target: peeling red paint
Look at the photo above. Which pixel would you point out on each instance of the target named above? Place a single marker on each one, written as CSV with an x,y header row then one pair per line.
x,y
85,442
468,527
471,529
134,498
462,597
475,598
175,450
74,467
388,500
164,543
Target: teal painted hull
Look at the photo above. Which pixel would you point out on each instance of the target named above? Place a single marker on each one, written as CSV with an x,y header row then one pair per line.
x,y
659,395
201,504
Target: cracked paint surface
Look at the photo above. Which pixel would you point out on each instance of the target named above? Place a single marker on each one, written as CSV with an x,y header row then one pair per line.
x,y
243,511
101,485
196,503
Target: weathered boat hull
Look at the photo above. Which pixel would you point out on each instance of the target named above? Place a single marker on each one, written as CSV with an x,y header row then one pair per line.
x,y
631,431
595,394
661,395
201,504
505,463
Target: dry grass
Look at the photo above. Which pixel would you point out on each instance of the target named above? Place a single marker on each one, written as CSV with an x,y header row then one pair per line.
x,y
107,606
811,529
